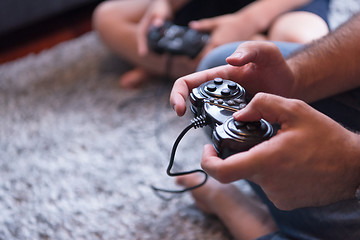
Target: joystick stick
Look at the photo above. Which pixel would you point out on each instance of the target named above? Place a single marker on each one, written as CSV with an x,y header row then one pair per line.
x,y
177,40
233,136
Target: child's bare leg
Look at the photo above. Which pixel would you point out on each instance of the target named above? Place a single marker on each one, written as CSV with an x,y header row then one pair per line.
x,y
246,217
301,27
116,22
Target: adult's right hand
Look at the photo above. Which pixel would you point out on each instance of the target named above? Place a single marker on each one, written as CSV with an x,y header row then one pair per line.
x,y
311,161
157,13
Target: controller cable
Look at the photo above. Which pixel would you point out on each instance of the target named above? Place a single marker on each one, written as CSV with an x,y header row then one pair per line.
x,y
197,122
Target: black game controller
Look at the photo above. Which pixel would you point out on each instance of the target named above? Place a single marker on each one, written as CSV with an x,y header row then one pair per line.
x,y
217,100
213,104
177,40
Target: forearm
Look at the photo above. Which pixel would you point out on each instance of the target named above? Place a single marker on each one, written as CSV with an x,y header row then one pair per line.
x,y
330,65
263,12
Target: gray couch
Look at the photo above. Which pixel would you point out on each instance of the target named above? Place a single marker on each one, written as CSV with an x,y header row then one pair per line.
x,y
16,14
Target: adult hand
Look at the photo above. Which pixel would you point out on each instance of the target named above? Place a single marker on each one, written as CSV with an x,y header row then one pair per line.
x,y
157,13
257,66
311,161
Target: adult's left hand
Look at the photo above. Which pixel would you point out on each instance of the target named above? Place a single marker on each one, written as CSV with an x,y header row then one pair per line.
x,y
257,66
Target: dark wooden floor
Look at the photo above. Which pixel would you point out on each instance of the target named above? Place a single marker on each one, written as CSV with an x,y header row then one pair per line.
x,y
45,34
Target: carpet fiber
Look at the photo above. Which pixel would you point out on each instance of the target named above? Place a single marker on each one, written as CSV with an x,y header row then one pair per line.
x,y
78,153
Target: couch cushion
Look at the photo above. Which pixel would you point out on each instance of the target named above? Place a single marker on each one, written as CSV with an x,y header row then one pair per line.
x,y
15,14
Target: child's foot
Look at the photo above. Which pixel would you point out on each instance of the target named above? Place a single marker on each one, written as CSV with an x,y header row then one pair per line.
x,y
245,216
133,78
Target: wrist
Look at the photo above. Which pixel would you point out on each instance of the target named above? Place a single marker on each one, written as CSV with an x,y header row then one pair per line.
x,y
297,91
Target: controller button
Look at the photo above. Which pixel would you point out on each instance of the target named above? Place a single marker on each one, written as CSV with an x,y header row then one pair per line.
x,y
242,105
212,100
218,81
230,103
232,86
238,124
220,101
211,87
225,92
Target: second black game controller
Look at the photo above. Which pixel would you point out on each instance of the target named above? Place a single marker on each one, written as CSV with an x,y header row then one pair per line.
x,y
176,40
216,101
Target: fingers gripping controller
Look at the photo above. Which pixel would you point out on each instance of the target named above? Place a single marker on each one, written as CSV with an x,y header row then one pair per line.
x,y
213,104
217,100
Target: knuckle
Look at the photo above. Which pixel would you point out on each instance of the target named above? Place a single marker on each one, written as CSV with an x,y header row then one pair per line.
x,y
260,98
295,105
179,80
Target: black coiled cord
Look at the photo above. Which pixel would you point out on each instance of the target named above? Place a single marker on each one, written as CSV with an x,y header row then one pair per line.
x,y
197,122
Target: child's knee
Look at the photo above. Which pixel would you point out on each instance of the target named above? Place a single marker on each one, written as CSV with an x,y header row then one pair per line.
x,y
101,15
108,14
301,27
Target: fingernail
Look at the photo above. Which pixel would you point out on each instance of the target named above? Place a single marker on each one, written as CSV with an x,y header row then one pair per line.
x,y
237,114
237,55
